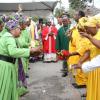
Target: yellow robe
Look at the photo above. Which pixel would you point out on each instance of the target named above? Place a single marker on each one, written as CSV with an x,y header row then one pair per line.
x,y
93,84
78,45
72,48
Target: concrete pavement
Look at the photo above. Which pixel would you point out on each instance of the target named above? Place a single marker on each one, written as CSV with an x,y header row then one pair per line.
x,y
46,83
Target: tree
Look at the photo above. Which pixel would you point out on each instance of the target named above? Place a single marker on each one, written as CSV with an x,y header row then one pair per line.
x,y
78,4
71,12
88,1
59,11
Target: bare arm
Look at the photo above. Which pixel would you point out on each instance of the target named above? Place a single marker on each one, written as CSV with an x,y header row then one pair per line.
x,y
74,54
93,40
85,57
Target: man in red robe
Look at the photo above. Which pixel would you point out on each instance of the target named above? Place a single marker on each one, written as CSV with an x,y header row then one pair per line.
x,y
49,33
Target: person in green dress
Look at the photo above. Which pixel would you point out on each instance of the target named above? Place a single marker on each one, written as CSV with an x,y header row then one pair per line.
x,y
23,42
62,40
9,52
1,27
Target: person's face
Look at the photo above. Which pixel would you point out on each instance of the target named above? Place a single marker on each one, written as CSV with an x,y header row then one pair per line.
x,y
81,30
16,32
1,26
28,23
40,25
65,22
49,23
60,21
91,30
23,26
76,16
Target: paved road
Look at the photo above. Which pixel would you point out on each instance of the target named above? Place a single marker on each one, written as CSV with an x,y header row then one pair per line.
x,y
46,83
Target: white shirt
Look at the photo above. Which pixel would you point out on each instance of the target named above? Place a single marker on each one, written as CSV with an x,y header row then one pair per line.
x,y
91,65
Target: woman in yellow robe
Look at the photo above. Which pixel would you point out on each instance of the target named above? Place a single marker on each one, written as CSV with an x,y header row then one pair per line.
x,y
93,84
76,46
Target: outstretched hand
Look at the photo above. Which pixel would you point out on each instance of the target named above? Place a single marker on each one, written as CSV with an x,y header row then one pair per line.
x,y
36,51
76,66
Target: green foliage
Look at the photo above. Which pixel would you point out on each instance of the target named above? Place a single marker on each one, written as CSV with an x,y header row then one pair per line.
x,y
88,1
35,18
71,12
59,12
78,4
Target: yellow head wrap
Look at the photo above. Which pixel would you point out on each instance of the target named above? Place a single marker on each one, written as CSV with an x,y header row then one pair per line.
x,y
92,22
81,22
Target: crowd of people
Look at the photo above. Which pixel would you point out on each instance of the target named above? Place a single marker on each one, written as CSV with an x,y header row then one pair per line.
x,y
84,50
75,41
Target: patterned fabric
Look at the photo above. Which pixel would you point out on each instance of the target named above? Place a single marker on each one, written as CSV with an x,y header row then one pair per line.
x,y
12,24
82,22
91,22
17,16
23,19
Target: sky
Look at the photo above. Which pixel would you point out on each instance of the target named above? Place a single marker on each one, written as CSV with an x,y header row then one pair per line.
x,y
64,2
97,3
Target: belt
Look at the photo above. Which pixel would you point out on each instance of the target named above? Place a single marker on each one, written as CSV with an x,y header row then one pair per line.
x,y
7,59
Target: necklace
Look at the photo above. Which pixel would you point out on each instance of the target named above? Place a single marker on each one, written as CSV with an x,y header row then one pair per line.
x,y
65,30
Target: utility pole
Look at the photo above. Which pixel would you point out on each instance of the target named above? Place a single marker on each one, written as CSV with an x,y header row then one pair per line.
x,y
60,3
60,6
19,8
93,3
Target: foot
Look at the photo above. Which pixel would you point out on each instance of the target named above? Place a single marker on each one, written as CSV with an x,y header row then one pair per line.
x,y
46,61
29,68
63,70
78,86
31,61
83,95
27,76
64,74
54,61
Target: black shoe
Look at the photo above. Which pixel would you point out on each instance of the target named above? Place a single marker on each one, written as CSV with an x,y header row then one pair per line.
x,y
27,76
64,69
83,95
54,61
29,68
64,74
31,61
46,61
78,86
